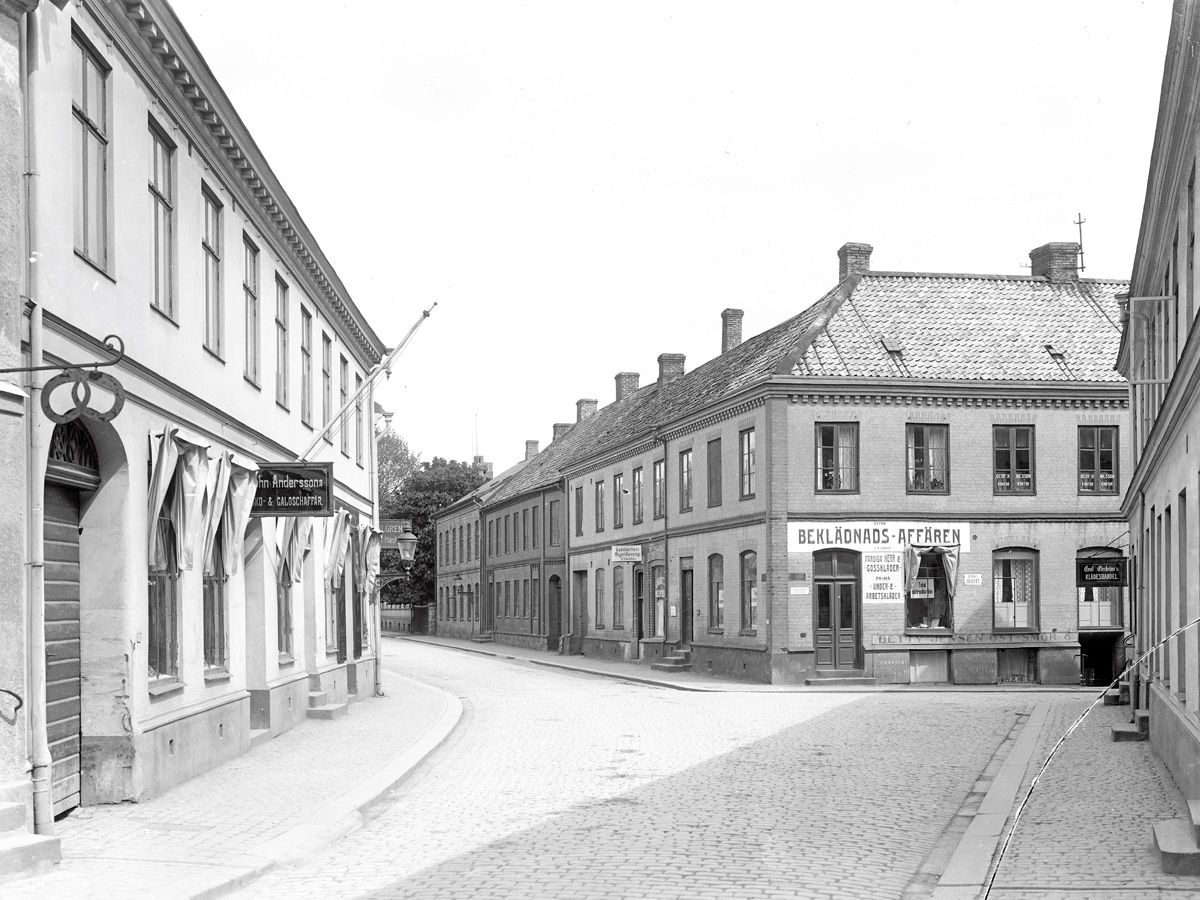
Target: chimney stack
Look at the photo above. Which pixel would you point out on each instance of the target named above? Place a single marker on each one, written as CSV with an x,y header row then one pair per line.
x,y
584,408
627,383
853,259
1057,262
731,329
670,367
561,428
531,449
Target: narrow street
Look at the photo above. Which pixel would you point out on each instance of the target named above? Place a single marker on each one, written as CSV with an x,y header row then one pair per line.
x,y
564,785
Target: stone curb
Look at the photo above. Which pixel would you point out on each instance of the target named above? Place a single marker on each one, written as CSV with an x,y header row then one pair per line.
x,y
969,865
734,688
343,815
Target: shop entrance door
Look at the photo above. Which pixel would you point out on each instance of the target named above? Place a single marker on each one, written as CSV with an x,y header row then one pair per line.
x,y
835,574
685,602
63,718
639,602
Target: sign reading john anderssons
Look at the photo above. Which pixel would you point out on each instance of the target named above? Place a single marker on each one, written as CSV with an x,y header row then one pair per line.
x,y
1102,572
294,489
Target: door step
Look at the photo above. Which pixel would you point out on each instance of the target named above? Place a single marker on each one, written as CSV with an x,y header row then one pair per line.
x,y
676,661
1137,730
838,677
22,853
1176,842
320,708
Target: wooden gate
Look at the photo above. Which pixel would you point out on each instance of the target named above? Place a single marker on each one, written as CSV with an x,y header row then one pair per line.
x,y
61,541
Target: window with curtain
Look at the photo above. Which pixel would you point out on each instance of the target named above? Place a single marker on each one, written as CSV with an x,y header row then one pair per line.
x,y
716,592
928,459
599,620
749,561
1014,589
618,597
837,456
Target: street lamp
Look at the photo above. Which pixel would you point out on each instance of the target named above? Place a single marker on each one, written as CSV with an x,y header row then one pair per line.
x,y
406,543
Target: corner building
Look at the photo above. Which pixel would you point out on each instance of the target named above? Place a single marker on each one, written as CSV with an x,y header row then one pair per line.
x,y
178,628
896,485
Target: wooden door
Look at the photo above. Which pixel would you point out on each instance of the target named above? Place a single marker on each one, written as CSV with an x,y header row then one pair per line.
x,y
63,715
639,601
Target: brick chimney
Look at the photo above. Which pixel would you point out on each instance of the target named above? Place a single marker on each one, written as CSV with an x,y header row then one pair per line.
x,y
670,367
854,259
561,428
1055,262
531,449
627,383
731,329
584,408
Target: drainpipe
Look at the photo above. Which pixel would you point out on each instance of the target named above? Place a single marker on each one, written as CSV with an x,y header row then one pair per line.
x,y
43,812
564,640
667,549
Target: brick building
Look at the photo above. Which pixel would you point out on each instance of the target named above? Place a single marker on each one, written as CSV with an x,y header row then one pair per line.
x,y
896,484
1160,354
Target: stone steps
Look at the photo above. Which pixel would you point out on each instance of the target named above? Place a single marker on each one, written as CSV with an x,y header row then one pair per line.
x,y
838,677
676,661
319,707
1178,842
1137,730
22,853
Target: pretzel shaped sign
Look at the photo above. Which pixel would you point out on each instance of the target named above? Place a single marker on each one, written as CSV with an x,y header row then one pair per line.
x,y
81,394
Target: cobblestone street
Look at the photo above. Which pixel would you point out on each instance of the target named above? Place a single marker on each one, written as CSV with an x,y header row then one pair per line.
x,y
560,785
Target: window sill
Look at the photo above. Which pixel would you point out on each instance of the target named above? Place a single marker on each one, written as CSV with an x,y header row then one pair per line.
x,y
996,493
215,354
283,406
286,659
597,627
1014,630
917,631
850,491
716,505
1099,493
166,315
920,492
685,509
637,521
250,381
753,632
716,631
95,265
746,497
216,676
165,687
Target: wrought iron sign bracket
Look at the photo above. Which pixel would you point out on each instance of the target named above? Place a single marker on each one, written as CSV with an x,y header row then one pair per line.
x,y
81,381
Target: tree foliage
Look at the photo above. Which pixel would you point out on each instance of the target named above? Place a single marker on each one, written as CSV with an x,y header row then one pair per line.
x,y
396,463
432,487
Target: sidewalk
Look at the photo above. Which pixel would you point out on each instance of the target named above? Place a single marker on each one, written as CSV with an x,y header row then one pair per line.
x,y
275,804
640,673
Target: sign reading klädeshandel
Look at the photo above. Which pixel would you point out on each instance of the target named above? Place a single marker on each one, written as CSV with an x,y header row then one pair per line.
x,y
294,489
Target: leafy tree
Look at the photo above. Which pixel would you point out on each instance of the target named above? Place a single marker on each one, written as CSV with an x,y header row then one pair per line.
x,y
426,492
396,463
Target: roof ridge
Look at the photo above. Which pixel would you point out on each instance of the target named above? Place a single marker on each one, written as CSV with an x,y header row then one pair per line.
x,y
983,276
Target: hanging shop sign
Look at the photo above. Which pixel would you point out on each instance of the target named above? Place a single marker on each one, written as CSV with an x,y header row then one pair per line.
x,y
390,531
626,553
855,534
1102,572
294,489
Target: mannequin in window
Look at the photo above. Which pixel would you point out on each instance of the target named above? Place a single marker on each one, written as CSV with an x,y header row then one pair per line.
x,y
935,607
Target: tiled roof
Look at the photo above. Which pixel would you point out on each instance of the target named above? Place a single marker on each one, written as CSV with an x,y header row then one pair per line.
x,y
971,327
897,325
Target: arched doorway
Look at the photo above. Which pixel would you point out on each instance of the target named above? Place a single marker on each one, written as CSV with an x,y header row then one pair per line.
x,y
72,468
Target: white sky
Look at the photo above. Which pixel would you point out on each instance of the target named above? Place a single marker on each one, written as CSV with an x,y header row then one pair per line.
x,y
583,186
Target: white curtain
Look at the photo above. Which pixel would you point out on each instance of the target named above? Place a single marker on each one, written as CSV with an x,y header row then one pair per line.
x,y
164,455
846,441
213,507
236,515
936,439
367,564
337,540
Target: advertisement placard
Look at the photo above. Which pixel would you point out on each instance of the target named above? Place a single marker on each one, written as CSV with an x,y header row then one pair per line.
x,y
294,489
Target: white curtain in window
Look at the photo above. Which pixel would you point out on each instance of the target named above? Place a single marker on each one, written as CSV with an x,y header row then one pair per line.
x,y
912,563
337,541
847,451
367,564
935,438
235,518
164,454
299,541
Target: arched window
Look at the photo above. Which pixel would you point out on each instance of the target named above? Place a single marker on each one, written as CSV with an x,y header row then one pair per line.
x,y
618,597
599,598
1015,589
749,571
716,592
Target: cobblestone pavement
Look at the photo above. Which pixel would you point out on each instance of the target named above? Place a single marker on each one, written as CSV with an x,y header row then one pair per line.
x,y
558,784
1086,831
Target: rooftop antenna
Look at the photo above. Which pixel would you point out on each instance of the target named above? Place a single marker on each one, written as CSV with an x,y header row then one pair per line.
x,y
1079,220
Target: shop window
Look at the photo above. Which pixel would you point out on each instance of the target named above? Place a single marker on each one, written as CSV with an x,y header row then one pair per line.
x,y
618,597
599,598
1100,607
749,574
1014,589
837,457
930,578
928,459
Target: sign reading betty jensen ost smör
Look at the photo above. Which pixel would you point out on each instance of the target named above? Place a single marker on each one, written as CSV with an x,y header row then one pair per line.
x,y
862,535
294,489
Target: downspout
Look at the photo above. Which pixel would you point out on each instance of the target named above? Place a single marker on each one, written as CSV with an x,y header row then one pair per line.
x,y
564,640
43,812
543,581
666,493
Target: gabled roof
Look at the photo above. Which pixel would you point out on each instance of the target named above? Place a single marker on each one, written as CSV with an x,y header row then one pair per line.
x,y
484,492
904,326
